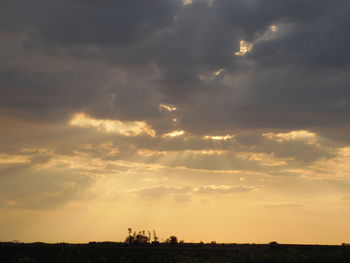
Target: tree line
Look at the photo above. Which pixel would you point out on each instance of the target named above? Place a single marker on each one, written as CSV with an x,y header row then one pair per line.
x,y
143,237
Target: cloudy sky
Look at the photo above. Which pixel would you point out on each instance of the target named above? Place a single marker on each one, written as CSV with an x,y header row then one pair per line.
x,y
222,120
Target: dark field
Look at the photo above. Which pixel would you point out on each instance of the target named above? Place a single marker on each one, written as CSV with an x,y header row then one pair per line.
x,y
162,253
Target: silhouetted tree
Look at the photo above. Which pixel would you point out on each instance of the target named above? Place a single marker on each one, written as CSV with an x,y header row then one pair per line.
x,y
155,237
172,240
139,238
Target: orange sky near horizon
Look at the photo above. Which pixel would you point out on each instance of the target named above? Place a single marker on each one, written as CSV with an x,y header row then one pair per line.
x,y
81,182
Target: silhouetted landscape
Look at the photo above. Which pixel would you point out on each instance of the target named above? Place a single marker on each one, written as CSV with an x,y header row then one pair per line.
x,y
142,247
184,252
222,124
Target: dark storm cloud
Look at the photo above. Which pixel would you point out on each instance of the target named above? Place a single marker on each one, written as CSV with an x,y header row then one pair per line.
x,y
78,22
316,39
45,94
168,53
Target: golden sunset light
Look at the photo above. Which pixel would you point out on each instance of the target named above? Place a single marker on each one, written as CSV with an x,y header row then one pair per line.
x,y
212,121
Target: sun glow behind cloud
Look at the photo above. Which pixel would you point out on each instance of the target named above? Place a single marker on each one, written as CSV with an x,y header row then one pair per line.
x,y
219,72
274,28
219,138
244,48
301,135
187,2
131,128
174,134
167,107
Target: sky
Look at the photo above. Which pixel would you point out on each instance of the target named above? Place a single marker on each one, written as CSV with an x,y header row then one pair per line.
x,y
223,120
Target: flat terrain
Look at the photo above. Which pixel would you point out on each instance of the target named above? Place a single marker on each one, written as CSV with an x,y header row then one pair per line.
x,y
162,253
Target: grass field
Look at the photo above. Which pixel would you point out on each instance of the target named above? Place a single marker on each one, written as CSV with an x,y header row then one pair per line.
x,y
178,253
